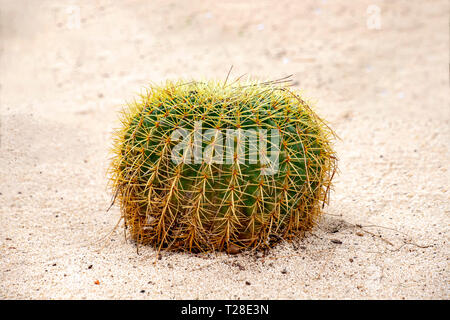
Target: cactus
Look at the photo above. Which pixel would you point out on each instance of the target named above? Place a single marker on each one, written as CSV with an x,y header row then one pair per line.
x,y
183,183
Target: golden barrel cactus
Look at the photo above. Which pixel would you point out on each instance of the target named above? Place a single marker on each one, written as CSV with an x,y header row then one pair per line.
x,y
204,166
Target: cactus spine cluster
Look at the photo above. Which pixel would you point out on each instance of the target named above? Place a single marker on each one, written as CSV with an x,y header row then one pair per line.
x,y
221,200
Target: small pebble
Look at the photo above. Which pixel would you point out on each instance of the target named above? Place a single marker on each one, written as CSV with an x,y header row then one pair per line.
x,y
232,249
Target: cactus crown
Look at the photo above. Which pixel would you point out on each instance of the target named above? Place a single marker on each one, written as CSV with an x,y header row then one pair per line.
x,y
212,197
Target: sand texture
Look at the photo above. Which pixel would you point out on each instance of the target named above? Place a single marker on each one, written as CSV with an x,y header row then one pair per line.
x,y
67,68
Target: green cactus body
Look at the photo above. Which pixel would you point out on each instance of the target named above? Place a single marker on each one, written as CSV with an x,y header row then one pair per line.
x,y
221,200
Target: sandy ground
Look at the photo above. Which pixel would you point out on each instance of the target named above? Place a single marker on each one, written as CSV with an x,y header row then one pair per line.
x,y
68,66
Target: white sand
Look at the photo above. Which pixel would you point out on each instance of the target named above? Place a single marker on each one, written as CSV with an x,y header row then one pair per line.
x,y
385,92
